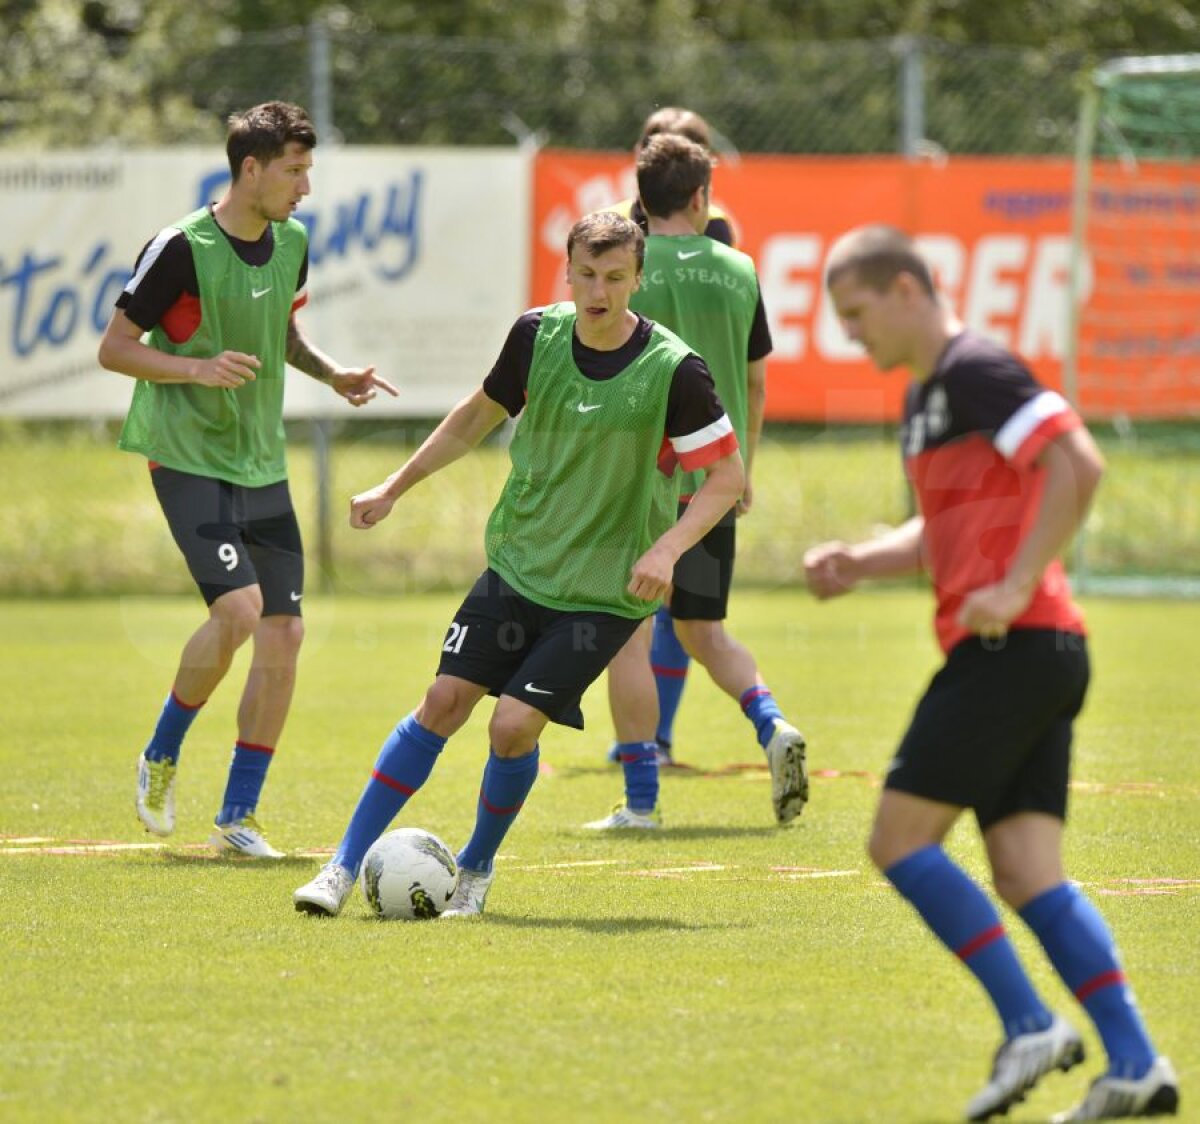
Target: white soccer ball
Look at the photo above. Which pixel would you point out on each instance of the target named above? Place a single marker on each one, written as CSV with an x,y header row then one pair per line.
x,y
409,875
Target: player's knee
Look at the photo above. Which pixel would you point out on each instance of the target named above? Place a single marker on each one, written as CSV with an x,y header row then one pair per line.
x,y
444,708
1017,884
287,633
238,613
512,735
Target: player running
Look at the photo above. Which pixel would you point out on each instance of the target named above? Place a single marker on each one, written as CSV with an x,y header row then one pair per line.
x,y
1003,471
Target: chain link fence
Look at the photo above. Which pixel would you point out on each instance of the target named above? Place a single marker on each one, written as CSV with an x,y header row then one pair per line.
x,y
847,97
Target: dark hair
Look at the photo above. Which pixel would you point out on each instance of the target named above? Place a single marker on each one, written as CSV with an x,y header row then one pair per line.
x,y
669,170
681,122
265,131
875,255
604,231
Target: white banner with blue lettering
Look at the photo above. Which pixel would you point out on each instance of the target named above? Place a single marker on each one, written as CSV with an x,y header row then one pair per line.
x,y
419,263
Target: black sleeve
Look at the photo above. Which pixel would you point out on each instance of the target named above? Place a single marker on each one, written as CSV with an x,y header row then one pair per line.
x,y
986,390
692,401
720,229
761,344
507,381
164,272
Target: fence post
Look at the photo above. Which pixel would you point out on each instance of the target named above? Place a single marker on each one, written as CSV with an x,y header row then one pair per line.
x,y
321,103
911,94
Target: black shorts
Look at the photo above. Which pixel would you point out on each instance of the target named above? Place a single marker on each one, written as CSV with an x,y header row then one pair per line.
x,y
232,537
993,729
546,658
704,574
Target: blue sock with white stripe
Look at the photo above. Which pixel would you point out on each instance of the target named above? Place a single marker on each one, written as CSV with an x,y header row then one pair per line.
x,y
247,773
669,661
966,922
1081,948
173,724
404,764
639,760
506,783
759,705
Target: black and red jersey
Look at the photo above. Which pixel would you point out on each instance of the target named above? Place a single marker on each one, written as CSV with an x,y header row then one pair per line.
x,y
973,433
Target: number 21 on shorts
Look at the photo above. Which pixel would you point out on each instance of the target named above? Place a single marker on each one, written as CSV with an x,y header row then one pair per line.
x,y
455,637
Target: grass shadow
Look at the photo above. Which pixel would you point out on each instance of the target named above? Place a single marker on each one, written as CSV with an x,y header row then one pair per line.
x,y
673,833
681,770
612,926
242,862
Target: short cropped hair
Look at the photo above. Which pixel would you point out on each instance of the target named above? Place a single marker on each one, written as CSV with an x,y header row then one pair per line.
x,y
669,170
680,122
604,231
265,131
875,255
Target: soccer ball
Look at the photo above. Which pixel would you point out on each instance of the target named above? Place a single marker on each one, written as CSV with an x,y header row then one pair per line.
x,y
409,875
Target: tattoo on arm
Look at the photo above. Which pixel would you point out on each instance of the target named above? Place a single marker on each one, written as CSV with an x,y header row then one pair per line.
x,y
304,357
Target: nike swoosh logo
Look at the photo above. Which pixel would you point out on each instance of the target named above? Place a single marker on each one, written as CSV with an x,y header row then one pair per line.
x,y
256,293
690,254
536,690
588,409
296,596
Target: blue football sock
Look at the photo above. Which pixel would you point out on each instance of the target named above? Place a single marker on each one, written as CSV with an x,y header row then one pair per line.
x,y
173,723
640,762
404,764
506,783
670,662
966,922
247,772
760,707
1081,948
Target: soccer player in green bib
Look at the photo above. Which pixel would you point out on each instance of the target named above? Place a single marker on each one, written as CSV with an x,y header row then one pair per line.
x,y
217,292
581,545
668,658
708,293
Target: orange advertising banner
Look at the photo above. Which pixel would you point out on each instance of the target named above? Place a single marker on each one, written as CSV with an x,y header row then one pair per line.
x,y
996,231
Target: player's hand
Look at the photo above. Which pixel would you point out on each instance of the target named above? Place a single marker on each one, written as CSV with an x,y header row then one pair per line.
x,y
358,385
989,610
830,570
747,500
228,371
370,507
650,579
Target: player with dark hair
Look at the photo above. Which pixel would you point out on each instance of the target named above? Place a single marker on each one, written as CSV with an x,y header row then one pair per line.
x,y
709,295
581,545
217,292
669,658
1003,470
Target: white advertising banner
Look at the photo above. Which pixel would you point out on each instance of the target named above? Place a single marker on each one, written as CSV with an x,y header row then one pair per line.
x,y
419,262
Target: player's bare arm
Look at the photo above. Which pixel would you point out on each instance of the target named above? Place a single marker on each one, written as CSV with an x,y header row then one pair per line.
x,y
357,385
459,432
756,403
1073,467
122,351
834,568
652,573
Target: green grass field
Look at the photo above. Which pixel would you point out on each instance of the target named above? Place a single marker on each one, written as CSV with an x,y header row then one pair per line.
x,y
722,970
80,518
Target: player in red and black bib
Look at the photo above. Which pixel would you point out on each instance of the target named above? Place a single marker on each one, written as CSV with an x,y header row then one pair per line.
x,y
1003,471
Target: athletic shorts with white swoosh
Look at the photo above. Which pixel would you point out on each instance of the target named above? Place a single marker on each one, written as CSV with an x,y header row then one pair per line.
x,y
232,537
544,657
